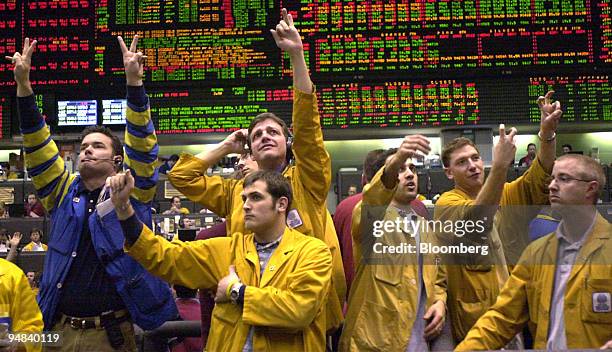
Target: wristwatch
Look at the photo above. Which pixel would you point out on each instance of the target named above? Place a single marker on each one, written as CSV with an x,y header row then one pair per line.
x,y
235,292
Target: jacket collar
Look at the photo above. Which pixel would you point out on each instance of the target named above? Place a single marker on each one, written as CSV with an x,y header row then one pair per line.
x,y
598,236
280,256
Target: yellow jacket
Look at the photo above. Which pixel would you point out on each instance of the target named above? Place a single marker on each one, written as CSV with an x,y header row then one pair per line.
x,y
29,247
18,303
472,289
383,298
527,296
310,179
285,305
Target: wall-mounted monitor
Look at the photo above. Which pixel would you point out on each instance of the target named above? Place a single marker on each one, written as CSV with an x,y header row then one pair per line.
x,y
113,111
77,112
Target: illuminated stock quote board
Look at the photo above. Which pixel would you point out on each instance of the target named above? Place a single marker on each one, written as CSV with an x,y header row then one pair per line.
x,y
213,65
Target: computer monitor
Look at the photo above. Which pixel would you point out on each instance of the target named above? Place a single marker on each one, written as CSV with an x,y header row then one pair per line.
x,y
113,111
187,234
77,112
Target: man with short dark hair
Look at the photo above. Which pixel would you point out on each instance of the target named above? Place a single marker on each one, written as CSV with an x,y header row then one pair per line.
x,y
473,287
567,148
270,143
35,244
343,215
397,301
91,291
176,208
530,157
271,283
562,285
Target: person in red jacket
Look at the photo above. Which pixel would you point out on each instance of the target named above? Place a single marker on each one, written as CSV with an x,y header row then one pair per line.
x,y
34,208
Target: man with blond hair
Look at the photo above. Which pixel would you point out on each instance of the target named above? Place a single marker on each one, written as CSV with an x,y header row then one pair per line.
x,y
562,286
474,281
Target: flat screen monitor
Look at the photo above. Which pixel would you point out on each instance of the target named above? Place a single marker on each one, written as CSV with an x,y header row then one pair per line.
x,y
113,111
77,112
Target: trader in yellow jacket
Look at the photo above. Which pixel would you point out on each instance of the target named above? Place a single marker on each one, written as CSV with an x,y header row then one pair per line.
x,y
271,284
19,312
397,300
473,286
270,143
562,285
35,242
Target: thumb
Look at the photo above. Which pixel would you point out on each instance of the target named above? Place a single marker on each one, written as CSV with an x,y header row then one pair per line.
x,y
429,313
275,36
130,178
232,269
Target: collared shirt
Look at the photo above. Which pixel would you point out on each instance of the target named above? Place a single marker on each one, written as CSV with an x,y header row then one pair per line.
x,y
566,256
88,290
37,247
417,336
264,252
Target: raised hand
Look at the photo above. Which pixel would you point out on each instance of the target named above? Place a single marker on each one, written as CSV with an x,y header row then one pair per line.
x,y
286,35
133,62
235,142
550,115
14,241
121,186
411,146
505,149
23,63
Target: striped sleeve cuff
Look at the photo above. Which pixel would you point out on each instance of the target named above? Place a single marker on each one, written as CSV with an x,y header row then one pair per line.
x,y
132,227
29,116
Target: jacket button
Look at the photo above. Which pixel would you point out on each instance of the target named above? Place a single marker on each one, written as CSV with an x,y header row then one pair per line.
x,y
413,281
59,285
73,254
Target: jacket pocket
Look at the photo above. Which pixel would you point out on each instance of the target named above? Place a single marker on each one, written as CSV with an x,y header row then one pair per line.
x,y
468,308
63,234
227,314
597,301
147,293
389,274
375,328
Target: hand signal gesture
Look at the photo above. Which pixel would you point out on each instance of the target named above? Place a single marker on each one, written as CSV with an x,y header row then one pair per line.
x,y
133,61
286,35
551,114
23,62
505,149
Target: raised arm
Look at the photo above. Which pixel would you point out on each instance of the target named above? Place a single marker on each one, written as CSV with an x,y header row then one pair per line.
x,y
488,198
43,161
189,177
503,154
532,187
14,242
288,39
141,147
193,264
550,116
408,149
313,164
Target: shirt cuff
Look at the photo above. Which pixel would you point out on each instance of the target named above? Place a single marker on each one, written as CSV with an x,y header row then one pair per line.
x,y
132,227
137,96
240,299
